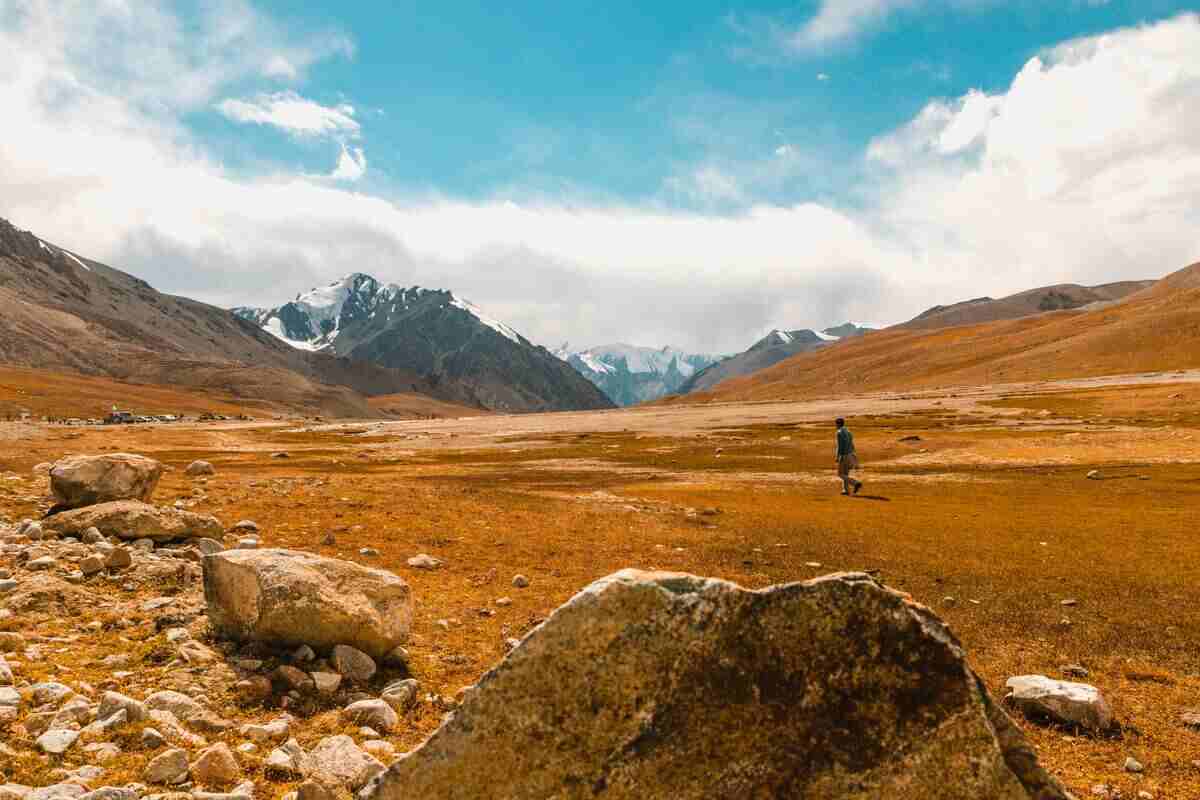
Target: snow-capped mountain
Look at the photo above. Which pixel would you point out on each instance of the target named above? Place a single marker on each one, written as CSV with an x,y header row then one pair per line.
x,y
432,333
629,374
770,349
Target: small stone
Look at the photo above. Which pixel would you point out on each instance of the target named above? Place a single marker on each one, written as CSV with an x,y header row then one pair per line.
x,y
1190,719
170,767
254,689
119,558
143,545
424,561
304,654
102,752
112,702
151,739
91,565
216,766
1069,602
247,543
341,759
1094,475
246,525
368,551
352,664
402,695
57,742
397,658
92,536
1064,702
315,790
41,564
520,581
292,678
1133,765
1075,671
275,731
377,714
326,683
198,469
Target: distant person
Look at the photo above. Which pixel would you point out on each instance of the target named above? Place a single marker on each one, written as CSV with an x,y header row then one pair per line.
x,y
847,459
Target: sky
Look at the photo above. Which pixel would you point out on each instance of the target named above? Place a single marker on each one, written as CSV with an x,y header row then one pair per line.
x,y
688,174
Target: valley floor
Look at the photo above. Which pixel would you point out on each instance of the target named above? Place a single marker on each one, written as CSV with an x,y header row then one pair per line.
x,y
977,501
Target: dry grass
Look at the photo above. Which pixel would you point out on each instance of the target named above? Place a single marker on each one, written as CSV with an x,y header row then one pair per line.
x,y
997,516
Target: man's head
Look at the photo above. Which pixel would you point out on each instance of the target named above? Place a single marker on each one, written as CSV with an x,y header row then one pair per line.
x,y
841,423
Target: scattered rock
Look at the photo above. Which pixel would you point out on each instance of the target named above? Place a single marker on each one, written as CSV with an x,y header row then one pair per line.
x,y
79,481
133,520
216,766
341,759
1190,719
91,536
288,598
151,739
1094,475
313,789
170,767
708,690
91,565
112,702
1133,765
57,742
198,469
326,683
246,525
119,558
1067,703
1075,671
424,561
402,695
274,732
375,713
520,581
352,664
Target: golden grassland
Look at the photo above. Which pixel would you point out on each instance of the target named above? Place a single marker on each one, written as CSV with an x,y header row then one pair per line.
x,y
987,516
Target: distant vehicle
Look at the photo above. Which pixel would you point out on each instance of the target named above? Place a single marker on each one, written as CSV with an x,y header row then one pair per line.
x,y
119,418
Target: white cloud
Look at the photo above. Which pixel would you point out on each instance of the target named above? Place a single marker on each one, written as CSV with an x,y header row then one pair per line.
x,y
292,113
351,166
1086,168
839,20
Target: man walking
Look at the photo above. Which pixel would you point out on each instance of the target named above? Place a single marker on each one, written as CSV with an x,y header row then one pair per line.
x,y
847,460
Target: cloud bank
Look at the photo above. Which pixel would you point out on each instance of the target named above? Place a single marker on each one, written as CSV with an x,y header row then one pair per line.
x,y
1086,168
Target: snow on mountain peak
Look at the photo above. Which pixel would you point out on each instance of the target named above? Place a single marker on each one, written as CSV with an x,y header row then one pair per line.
x,y
494,324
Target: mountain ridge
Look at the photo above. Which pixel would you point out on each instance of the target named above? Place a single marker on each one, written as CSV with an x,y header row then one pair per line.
x,y
450,342
630,374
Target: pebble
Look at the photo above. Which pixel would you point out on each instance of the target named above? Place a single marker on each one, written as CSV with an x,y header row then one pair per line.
x,y
424,561
520,581
1133,765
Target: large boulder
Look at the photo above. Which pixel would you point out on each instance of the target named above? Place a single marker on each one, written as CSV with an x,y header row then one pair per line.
x,y
132,520
658,685
289,598
79,481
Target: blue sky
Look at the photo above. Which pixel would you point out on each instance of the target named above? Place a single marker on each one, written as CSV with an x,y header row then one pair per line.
x,y
687,174
611,100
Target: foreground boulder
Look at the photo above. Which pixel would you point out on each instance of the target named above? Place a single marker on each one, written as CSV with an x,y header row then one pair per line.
x,y
131,520
289,598
78,481
657,685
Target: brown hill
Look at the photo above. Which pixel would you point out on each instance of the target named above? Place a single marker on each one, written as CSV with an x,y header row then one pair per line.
x,y
1154,329
1062,297
62,312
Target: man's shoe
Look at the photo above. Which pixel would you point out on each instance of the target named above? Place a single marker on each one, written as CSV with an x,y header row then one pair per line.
x,y
857,487
845,493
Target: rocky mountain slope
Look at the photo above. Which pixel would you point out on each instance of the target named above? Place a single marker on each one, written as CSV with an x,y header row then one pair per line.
x,y
67,313
1061,297
1154,329
453,345
771,349
628,374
